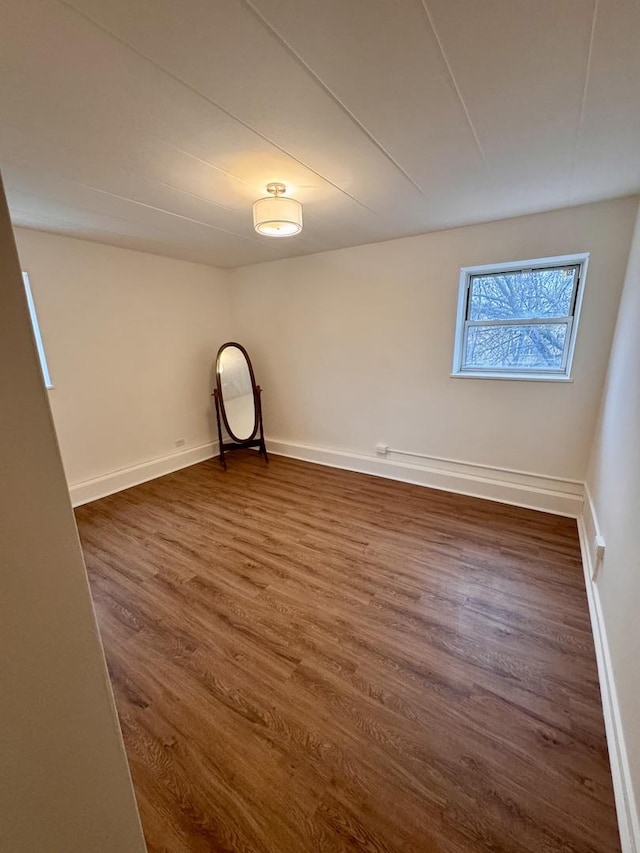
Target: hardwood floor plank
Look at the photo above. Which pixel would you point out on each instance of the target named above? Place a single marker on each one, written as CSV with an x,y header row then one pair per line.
x,y
307,659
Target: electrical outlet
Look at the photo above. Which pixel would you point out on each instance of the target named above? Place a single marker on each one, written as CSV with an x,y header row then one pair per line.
x,y
599,549
180,442
382,449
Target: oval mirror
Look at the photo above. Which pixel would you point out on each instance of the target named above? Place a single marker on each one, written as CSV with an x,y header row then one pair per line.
x,y
237,392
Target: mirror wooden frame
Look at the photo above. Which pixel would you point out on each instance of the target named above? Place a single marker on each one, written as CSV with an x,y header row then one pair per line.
x,y
256,439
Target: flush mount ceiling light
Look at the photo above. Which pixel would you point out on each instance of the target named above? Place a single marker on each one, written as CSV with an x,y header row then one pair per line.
x,y
276,215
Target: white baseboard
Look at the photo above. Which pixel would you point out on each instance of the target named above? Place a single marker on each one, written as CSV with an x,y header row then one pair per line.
x,y
548,494
628,819
100,487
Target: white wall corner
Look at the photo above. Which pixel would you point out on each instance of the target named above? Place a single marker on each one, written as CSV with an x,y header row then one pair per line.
x,y
125,478
531,491
628,818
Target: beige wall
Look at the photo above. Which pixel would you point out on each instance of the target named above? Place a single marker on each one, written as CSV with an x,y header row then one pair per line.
x,y
130,339
64,783
355,346
614,484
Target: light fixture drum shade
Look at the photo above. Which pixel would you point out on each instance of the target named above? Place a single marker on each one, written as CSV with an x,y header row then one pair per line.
x,y
277,216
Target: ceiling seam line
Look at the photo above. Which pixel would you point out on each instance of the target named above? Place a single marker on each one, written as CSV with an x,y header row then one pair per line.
x,y
457,89
583,102
162,210
72,224
159,230
271,29
58,174
191,156
208,164
179,190
210,101
318,216
140,203
49,226
184,154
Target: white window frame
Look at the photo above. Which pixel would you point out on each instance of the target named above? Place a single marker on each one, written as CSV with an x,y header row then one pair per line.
x,y
36,331
561,374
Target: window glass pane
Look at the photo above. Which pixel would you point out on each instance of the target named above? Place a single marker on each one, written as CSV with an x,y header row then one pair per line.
x,y
525,347
522,295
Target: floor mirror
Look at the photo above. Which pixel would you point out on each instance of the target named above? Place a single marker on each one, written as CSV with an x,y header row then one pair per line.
x,y
238,402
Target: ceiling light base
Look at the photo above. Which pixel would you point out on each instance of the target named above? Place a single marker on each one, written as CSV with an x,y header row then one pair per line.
x,y
276,188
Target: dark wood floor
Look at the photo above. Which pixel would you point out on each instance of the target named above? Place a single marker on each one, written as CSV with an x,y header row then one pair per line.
x,y
307,659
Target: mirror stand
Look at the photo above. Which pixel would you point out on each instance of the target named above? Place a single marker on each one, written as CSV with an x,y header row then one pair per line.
x,y
257,440
238,402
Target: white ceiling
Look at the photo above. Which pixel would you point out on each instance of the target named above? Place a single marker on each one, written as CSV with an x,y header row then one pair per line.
x,y
155,124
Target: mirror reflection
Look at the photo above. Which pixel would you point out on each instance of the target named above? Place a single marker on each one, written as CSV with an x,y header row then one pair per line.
x,y
237,393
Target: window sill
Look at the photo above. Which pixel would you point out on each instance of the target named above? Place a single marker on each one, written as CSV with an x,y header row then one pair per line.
x,y
518,377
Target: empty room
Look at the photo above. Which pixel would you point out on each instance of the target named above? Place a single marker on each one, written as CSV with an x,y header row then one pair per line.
x,y
320,418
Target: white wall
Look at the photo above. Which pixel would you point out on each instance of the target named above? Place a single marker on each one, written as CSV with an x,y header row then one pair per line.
x,y
130,340
64,781
355,346
613,481
352,347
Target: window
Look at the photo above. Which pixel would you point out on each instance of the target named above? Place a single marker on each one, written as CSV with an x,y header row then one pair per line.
x,y
519,320
36,332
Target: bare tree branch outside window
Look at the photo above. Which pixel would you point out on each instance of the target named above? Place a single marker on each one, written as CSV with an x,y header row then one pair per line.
x,y
498,304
